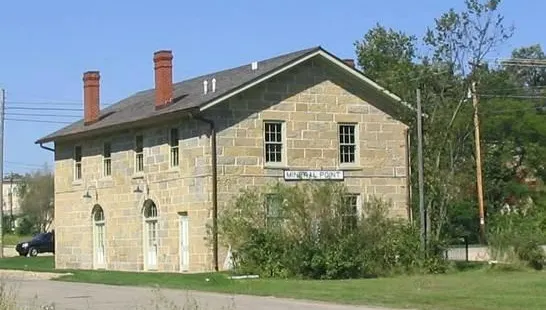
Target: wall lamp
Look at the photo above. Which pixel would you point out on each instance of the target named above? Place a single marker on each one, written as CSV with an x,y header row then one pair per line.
x,y
87,195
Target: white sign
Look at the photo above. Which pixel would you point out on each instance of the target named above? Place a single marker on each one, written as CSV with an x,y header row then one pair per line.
x,y
313,175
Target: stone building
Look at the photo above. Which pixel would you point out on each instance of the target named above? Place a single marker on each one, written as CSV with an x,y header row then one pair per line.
x,y
138,182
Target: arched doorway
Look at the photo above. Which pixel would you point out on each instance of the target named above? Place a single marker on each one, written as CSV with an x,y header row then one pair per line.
x,y
99,244
149,212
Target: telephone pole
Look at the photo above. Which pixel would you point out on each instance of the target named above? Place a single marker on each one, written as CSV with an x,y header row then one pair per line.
x,y
422,211
479,180
2,105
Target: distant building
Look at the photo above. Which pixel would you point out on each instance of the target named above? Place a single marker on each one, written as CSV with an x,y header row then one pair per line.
x,y
11,203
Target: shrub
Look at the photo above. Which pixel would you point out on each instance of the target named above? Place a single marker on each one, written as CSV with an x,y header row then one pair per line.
x,y
25,227
310,230
518,237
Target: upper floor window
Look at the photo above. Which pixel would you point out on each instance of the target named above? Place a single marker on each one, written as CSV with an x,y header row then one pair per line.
x,y
77,162
273,142
139,153
173,143
347,143
107,159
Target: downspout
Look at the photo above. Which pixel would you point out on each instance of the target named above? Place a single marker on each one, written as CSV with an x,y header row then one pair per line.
x,y
46,147
408,176
214,186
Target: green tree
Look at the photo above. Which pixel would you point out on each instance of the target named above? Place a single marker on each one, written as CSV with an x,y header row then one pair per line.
x,y
442,72
36,195
529,76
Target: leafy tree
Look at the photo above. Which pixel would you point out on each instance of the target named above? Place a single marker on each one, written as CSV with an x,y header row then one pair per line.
x,y
36,194
387,56
457,40
529,76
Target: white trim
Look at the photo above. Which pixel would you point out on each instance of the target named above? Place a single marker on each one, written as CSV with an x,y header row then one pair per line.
x,y
99,225
146,225
172,147
356,163
74,178
322,53
284,150
104,175
183,237
135,169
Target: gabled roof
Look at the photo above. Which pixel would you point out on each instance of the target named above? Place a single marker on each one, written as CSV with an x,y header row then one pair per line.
x,y
189,94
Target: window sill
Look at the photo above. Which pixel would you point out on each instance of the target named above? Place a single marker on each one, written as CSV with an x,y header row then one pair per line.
x,y
175,169
138,175
77,182
279,166
349,167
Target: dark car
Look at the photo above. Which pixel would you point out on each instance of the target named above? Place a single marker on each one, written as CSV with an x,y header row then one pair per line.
x,y
40,243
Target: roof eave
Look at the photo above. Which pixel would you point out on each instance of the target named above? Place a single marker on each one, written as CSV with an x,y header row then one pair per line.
x,y
116,127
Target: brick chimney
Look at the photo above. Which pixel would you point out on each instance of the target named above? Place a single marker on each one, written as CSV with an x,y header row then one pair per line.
x,y
91,99
349,62
163,67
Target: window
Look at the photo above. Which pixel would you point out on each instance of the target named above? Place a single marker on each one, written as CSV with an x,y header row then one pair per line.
x,y
139,153
347,144
350,212
99,244
273,142
273,211
151,236
107,159
174,140
78,162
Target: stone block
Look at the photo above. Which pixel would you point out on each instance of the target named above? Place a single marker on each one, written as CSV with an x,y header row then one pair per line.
x,y
301,116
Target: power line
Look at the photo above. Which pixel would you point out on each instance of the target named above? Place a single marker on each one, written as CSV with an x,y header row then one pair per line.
x,y
513,96
36,121
47,115
522,88
42,109
44,103
504,111
15,163
50,103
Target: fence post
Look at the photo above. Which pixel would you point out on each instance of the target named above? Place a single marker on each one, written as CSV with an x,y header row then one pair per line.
x,y
466,247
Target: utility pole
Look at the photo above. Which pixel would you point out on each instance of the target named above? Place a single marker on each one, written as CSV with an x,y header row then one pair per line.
x,y
479,184
2,106
422,211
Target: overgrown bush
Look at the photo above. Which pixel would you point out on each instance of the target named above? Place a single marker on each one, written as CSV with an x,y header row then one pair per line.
x,y
518,236
25,227
311,230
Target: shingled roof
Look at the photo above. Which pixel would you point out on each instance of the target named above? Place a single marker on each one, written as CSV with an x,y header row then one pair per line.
x,y
187,95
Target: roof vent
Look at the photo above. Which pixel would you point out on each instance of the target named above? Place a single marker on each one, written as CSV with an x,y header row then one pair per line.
x,y
254,65
205,86
213,84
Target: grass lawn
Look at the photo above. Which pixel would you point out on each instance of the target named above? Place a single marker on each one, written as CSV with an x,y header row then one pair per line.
x,y
471,289
13,239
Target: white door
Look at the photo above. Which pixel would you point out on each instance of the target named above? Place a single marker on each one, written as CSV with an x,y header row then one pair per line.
x,y
100,253
184,244
151,244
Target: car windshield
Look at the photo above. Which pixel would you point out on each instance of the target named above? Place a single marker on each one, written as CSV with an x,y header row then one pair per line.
x,y
41,236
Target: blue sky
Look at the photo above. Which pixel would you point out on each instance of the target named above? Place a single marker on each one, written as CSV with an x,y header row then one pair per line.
x,y
47,45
